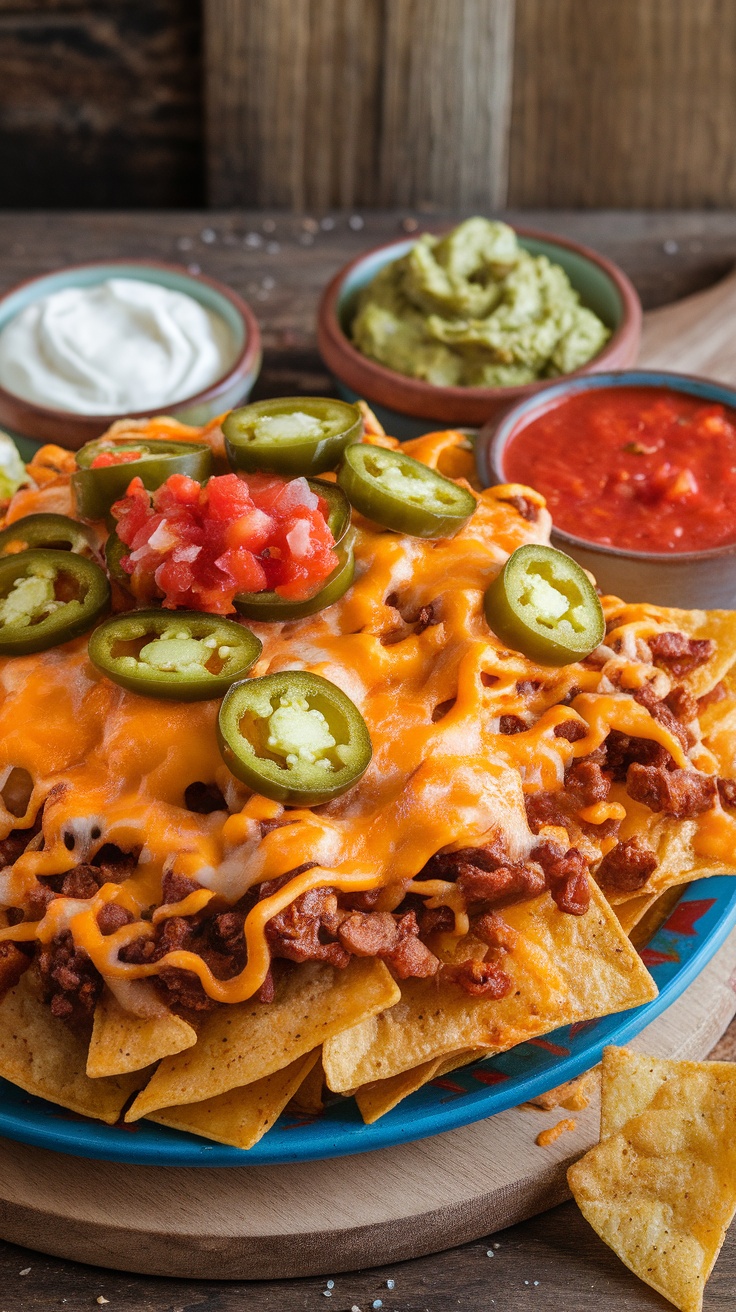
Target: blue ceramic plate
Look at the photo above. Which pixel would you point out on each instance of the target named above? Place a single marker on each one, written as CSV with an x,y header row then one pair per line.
x,y
683,945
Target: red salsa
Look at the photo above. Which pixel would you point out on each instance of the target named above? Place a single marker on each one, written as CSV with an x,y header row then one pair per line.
x,y
199,547
641,468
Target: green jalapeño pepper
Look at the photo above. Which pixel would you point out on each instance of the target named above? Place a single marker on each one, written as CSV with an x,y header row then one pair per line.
x,y
48,597
269,606
106,467
183,655
294,737
402,494
544,605
57,531
291,435
114,552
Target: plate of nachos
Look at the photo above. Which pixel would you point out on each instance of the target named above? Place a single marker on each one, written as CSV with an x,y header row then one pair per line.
x,y
337,808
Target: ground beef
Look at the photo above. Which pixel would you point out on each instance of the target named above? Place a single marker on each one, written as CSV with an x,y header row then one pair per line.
x,y
435,920
479,978
727,791
716,694
679,653
573,730
69,980
567,877
370,933
585,784
81,882
627,867
493,930
682,704
297,932
502,887
679,793
111,917
526,508
660,711
174,888
511,724
16,843
622,750
544,809
13,962
37,900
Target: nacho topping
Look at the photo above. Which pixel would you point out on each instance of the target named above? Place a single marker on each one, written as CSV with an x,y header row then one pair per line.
x,y
395,804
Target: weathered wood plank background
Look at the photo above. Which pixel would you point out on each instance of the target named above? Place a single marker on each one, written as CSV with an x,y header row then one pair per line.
x,y
318,104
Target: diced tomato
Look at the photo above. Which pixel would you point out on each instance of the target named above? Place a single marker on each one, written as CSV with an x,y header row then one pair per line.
x,y
200,546
107,458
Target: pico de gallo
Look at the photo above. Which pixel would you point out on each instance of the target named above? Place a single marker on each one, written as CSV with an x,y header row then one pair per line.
x,y
640,468
201,546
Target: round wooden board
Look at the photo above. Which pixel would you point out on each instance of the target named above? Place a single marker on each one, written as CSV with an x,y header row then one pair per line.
x,y
317,1218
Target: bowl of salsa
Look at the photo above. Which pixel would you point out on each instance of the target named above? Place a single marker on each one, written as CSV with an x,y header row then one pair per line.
x,y
638,469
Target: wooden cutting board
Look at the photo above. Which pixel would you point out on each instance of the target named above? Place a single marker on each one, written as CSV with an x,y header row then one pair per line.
x,y
324,1217
318,1218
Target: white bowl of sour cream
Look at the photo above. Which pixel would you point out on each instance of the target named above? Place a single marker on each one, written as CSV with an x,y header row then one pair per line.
x,y
93,343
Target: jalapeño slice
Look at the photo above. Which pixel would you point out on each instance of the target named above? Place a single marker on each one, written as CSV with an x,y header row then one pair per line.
x,y
402,494
270,607
291,435
46,530
48,597
114,552
544,605
182,655
294,737
106,467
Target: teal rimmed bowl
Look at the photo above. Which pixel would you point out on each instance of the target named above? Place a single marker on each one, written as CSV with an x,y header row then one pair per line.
x,y
72,430
407,406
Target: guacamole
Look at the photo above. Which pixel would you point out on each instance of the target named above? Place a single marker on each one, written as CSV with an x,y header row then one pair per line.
x,y
474,309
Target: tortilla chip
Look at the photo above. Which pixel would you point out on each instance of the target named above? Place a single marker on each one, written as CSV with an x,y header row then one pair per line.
x,y
375,1100
564,968
122,1042
652,916
660,1188
43,1056
241,1117
309,1098
247,1041
718,625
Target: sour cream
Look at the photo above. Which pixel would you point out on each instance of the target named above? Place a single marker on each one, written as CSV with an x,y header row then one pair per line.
x,y
120,347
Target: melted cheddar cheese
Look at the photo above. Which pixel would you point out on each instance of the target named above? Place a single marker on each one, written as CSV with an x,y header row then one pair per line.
x,y
111,767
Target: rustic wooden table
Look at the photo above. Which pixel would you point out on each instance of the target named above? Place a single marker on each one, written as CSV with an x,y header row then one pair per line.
x,y
280,264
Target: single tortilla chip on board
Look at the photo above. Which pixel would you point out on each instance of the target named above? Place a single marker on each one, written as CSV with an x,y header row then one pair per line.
x,y
564,968
660,1187
122,1042
43,1056
247,1041
241,1117
375,1100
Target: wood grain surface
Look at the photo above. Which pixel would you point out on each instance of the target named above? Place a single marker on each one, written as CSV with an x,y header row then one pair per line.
x,y
100,103
316,1217
280,264
341,102
623,102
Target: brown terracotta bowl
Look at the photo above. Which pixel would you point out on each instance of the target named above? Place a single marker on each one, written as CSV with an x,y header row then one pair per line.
x,y
409,406
72,430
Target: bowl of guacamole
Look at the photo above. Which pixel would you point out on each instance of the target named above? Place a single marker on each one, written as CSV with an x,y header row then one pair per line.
x,y
448,328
